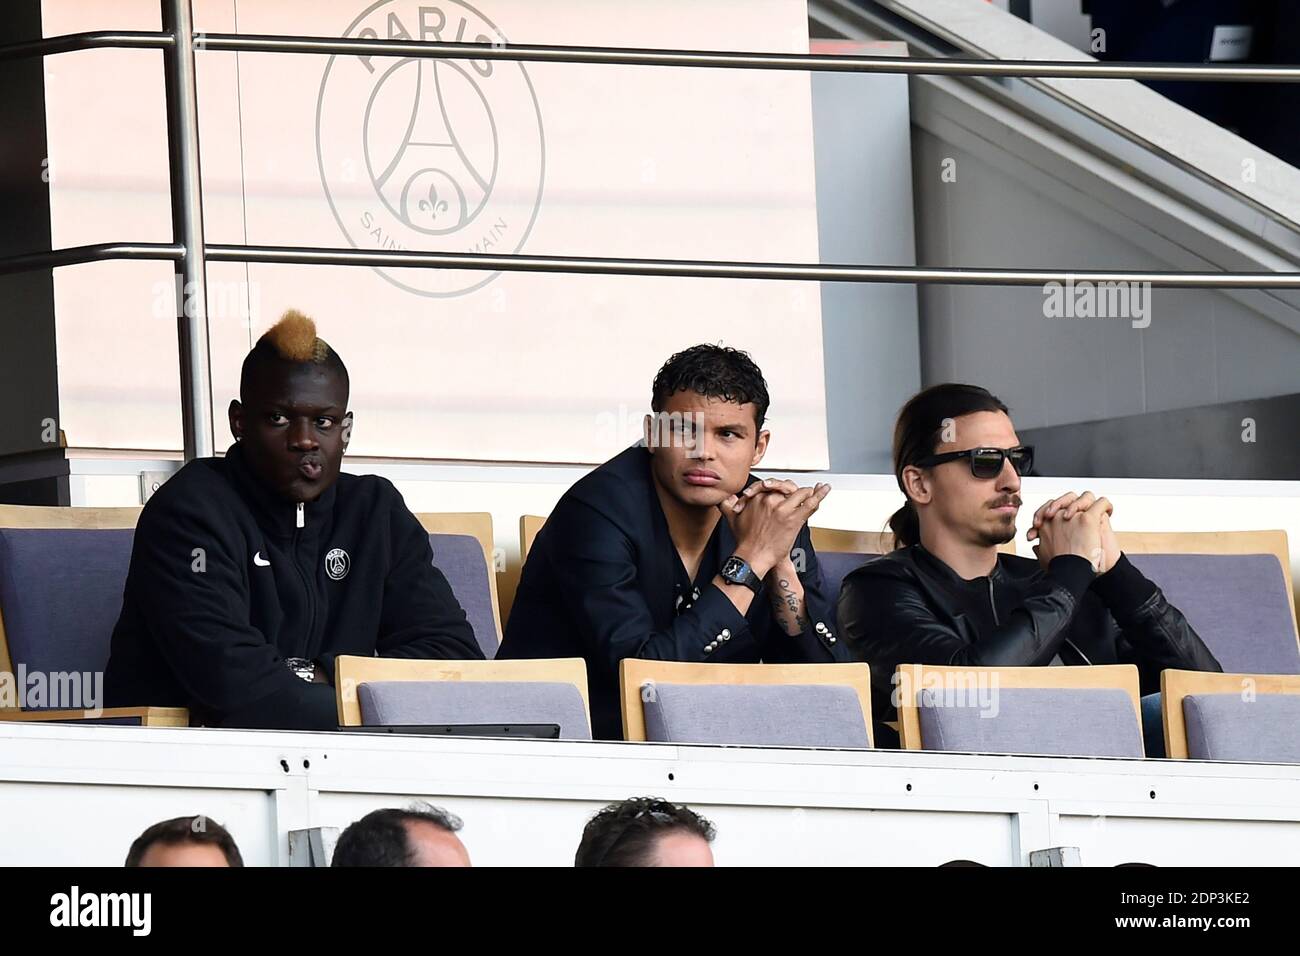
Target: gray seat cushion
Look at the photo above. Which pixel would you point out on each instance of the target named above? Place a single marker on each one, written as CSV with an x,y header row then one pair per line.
x,y
774,715
836,566
1236,602
460,559
475,702
1226,727
1092,722
61,594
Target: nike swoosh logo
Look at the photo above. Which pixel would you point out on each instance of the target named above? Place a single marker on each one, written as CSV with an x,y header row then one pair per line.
x,y
260,561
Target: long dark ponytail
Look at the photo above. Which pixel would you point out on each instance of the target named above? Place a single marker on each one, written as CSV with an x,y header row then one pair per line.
x,y
917,433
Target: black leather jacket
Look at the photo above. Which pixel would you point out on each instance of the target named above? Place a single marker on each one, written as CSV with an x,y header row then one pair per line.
x,y
908,607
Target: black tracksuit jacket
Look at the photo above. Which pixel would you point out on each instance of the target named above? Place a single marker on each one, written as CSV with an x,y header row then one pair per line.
x,y
224,584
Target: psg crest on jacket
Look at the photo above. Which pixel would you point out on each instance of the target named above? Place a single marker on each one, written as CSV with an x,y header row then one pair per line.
x,y
430,155
337,564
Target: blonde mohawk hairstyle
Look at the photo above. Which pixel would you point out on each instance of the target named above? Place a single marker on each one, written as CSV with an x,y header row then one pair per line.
x,y
294,339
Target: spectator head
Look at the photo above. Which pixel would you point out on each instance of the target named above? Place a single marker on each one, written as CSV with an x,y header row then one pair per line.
x,y
970,501
706,430
291,417
185,841
422,835
646,831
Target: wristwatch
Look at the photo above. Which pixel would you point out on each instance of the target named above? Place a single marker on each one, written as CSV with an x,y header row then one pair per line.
x,y
736,570
302,668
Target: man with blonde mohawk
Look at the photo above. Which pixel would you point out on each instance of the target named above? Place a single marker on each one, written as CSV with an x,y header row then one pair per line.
x,y
251,573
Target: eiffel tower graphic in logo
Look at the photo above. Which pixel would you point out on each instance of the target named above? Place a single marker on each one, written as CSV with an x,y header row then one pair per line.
x,y
427,154
431,182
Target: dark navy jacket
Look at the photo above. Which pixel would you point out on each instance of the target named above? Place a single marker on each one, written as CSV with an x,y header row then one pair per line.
x,y
599,584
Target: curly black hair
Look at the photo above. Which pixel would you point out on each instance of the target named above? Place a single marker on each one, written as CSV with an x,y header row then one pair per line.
x,y
625,833
714,371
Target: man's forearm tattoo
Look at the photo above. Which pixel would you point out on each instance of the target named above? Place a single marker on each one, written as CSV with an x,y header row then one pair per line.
x,y
788,608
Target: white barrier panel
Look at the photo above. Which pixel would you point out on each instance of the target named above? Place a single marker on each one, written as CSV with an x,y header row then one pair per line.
x,y
79,795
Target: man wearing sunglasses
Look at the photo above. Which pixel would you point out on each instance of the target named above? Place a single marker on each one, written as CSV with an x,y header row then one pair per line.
x,y
947,596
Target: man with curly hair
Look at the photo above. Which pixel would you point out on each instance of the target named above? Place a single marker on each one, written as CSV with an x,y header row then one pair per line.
x,y
673,551
646,831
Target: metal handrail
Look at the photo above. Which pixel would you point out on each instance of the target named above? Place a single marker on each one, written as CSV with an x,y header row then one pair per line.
x,y
632,56
816,62
181,86
77,255
685,268
706,269
96,40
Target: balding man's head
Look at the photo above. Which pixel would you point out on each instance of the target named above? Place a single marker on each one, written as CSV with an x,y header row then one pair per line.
x,y
423,835
431,844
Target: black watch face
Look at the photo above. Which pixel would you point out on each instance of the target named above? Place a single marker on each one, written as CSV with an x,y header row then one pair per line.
x,y
733,568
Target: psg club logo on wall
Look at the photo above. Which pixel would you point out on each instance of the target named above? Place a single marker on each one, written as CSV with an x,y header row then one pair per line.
x,y
430,155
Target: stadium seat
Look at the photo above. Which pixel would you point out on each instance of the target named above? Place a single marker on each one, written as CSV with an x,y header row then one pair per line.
x,y
375,691
1059,711
774,705
1245,717
836,566
529,525
865,543
1235,589
463,549
62,572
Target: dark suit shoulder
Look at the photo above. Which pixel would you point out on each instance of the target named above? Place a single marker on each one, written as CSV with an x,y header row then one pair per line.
x,y
617,489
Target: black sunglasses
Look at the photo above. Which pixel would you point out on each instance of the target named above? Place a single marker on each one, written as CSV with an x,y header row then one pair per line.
x,y
986,463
